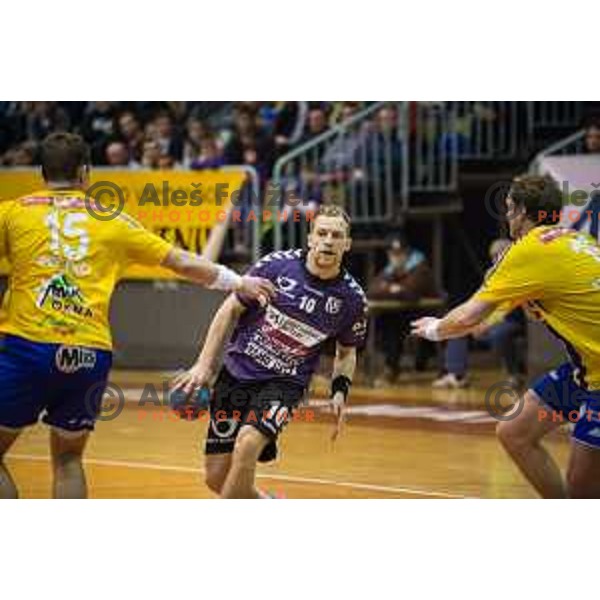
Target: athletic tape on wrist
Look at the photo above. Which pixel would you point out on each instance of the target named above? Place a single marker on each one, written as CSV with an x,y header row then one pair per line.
x,y
226,281
432,331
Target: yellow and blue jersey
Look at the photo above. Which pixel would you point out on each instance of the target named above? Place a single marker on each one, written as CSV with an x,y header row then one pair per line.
x,y
65,265
560,281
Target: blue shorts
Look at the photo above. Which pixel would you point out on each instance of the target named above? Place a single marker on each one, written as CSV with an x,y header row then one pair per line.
x,y
64,384
567,401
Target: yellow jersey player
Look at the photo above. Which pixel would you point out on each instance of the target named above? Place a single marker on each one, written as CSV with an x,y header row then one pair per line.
x,y
559,281
55,342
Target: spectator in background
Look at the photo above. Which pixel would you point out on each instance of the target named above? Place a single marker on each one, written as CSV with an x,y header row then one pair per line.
x,y
179,110
166,162
24,155
384,148
266,113
209,156
316,124
342,111
45,118
196,131
309,183
168,140
150,131
343,152
244,125
248,145
387,120
117,155
151,155
502,333
592,137
98,128
131,134
407,276
288,125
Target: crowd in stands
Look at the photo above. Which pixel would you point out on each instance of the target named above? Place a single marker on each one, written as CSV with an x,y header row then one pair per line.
x,y
362,162
164,135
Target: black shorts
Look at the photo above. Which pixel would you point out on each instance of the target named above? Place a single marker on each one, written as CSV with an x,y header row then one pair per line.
x,y
266,405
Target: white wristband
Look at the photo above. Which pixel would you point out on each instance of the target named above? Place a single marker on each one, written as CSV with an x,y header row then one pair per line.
x,y
431,331
226,281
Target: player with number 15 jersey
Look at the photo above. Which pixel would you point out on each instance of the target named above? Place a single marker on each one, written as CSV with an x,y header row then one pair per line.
x,y
55,342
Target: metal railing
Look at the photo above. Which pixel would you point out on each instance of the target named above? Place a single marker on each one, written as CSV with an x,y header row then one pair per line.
x,y
496,129
245,236
356,164
572,144
553,113
300,122
433,151
369,164
488,129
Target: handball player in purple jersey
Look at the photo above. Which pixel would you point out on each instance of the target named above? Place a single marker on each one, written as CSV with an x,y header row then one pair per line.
x,y
274,350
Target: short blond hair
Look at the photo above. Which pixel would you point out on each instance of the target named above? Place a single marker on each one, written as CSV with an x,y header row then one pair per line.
x,y
331,210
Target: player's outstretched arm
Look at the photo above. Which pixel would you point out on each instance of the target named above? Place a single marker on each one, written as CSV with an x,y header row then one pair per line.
x,y
217,277
457,323
202,371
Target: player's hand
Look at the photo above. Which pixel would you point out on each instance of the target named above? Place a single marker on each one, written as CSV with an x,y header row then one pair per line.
x,y
555,233
425,328
258,288
191,380
189,395
339,410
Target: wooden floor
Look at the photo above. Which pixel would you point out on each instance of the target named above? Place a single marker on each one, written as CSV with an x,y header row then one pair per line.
x,y
402,442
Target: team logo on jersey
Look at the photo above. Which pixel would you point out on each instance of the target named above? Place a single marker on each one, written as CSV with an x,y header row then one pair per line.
x,y
294,330
360,327
223,428
285,284
72,358
333,305
63,296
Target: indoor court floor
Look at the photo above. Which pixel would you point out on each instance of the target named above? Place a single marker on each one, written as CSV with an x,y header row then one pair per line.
x,y
408,441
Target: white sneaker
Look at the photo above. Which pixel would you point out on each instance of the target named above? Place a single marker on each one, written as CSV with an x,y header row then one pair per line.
x,y
450,381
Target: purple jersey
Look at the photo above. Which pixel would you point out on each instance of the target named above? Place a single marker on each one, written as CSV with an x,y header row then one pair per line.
x,y
284,339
